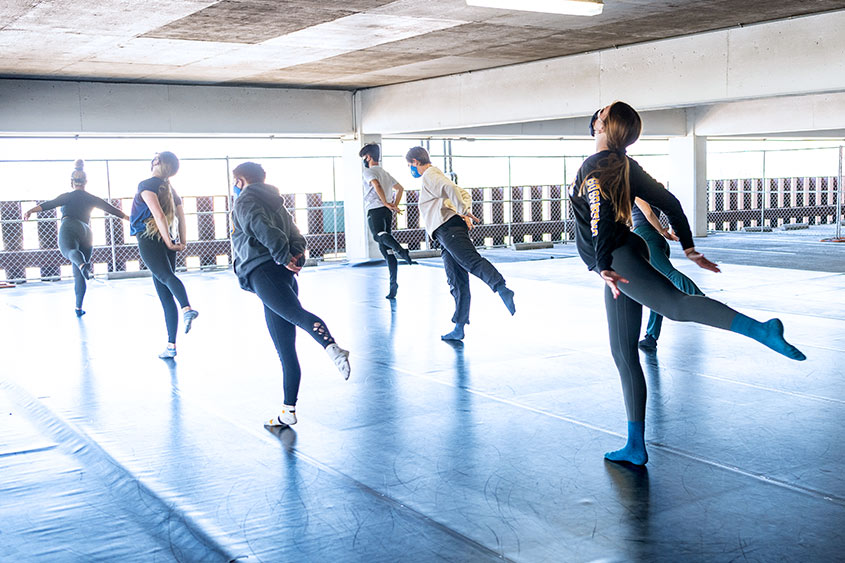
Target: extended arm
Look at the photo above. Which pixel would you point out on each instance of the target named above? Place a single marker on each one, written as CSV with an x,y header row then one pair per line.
x,y
29,212
654,220
108,208
47,205
653,192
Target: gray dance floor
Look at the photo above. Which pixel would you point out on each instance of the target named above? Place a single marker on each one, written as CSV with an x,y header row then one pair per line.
x,y
482,451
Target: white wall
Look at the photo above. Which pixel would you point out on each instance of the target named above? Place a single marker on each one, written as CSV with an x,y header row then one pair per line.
x,y
796,56
44,106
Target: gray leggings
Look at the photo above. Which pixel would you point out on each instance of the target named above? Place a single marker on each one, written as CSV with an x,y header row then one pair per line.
x,y
76,244
646,286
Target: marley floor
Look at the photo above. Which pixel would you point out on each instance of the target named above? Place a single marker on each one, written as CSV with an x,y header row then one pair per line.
x,y
482,451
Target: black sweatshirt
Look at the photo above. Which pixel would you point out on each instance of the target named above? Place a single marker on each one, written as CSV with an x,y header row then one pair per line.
x,y
597,234
78,204
262,230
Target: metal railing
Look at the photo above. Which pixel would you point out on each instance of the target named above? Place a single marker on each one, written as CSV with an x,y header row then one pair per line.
x,y
763,204
29,250
766,202
509,215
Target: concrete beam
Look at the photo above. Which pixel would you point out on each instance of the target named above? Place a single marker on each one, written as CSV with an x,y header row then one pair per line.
x,y
797,56
663,123
816,114
44,106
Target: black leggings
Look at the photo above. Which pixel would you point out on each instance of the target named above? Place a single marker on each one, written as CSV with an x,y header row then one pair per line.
x,y
161,261
646,286
380,221
460,258
76,244
276,286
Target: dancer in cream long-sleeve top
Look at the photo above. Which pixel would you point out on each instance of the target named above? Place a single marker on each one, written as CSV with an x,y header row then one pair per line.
x,y
446,211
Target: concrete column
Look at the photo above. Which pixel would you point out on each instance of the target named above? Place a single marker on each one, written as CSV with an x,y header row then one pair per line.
x,y
360,246
688,179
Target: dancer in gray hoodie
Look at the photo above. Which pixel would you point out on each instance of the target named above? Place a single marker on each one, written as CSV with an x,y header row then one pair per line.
x,y
269,252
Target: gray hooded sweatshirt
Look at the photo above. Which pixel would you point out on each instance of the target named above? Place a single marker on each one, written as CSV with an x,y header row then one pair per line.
x,y
263,230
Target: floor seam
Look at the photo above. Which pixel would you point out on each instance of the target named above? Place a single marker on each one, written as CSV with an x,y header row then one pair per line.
x,y
82,446
669,449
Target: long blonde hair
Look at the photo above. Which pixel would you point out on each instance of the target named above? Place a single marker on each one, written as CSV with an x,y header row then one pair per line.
x,y
168,165
622,127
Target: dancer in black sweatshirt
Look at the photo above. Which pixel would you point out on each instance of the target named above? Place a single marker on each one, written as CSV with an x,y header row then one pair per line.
x,y
602,195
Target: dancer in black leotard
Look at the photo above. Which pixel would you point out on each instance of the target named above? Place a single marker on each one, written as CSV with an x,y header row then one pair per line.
x,y
75,240
155,208
604,190
268,251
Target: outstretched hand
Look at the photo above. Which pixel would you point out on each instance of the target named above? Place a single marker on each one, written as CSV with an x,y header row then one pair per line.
x,y
611,278
702,262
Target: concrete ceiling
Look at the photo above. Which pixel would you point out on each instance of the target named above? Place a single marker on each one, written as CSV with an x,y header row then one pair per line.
x,y
325,44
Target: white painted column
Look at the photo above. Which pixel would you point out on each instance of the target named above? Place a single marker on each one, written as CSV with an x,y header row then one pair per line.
x,y
688,179
360,246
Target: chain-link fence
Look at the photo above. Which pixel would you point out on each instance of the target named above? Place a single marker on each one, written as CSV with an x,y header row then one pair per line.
x,y
533,206
518,214
512,214
755,204
29,250
763,204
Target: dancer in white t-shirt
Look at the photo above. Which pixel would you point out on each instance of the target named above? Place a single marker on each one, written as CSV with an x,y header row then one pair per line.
x,y
382,194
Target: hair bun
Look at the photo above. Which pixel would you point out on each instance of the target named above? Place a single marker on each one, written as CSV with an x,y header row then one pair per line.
x,y
79,164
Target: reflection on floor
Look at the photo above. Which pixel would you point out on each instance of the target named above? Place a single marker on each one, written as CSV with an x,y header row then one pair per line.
x,y
486,450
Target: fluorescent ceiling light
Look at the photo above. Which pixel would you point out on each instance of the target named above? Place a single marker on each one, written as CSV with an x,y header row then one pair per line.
x,y
569,7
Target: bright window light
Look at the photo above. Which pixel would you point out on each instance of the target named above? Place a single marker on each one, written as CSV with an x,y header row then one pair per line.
x,y
569,7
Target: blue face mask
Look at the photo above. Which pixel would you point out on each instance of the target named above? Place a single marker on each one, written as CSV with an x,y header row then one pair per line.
x,y
237,190
366,163
414,172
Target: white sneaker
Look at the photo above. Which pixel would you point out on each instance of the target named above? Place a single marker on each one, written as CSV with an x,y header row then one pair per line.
x,y
340,357
287,418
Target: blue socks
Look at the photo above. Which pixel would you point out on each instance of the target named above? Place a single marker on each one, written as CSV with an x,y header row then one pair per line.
x,y
456,334
634,451
507,296
769,333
